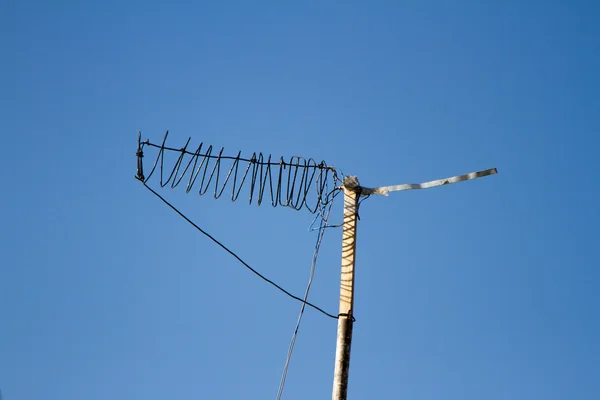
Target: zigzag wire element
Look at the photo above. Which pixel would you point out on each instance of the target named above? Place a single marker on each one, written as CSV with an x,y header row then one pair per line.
x,y
293,183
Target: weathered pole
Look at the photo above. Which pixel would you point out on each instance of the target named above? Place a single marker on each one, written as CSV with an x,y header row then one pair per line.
x,y
345,319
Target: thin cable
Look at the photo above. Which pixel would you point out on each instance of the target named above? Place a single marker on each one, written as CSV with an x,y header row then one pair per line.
x,y
304,302
320,235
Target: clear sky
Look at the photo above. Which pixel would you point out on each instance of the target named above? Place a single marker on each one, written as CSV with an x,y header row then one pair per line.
x,y
480,290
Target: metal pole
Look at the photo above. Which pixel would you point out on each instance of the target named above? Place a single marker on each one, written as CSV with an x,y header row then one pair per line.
x,y
345,319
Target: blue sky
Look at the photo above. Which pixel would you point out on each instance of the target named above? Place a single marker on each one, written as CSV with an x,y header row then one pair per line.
x,y
485,289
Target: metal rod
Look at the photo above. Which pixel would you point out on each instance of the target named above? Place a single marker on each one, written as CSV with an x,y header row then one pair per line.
x,y
345,318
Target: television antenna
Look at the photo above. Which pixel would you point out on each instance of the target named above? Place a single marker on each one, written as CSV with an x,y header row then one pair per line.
x,y
297,183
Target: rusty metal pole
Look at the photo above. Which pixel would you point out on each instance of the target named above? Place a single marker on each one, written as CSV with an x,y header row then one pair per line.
x,y
345,320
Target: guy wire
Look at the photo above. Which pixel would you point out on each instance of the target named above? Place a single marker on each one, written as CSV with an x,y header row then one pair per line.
x,y
324,214
304,302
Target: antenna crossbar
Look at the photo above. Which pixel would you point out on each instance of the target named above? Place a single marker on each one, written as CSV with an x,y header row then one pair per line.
x,y
384,190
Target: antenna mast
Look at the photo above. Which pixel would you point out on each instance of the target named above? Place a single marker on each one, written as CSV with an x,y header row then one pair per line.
x,y
345,317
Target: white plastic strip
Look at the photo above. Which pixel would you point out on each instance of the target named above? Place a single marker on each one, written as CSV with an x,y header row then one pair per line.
x,y
384,190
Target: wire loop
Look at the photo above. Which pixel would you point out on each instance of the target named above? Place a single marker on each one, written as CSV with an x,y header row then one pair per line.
x,y
298,183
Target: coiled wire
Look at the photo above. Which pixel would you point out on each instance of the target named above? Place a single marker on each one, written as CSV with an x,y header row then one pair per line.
x,y
298,183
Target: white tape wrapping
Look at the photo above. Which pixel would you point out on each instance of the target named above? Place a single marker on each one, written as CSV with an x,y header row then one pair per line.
x,y
384,190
